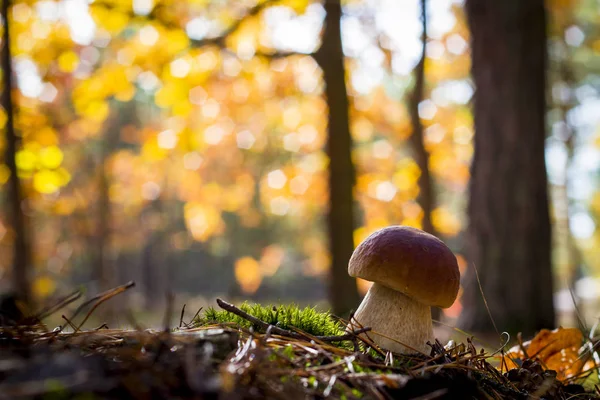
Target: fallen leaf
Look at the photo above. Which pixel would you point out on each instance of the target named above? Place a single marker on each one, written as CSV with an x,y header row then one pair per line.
x,y
557,350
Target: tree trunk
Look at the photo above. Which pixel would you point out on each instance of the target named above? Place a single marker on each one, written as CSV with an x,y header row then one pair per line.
x,y
426,197
154,274
104,269
509,232
343,294
21,255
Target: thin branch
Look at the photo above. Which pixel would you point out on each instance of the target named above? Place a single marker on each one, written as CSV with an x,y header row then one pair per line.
x,y
219,40
107,296
283,54
69,322
60,303
257,322
99,296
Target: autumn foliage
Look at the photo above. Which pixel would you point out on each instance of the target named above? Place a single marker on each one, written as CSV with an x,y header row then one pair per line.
x,y
202,135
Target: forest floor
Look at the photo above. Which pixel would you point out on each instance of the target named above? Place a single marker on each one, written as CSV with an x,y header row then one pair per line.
x,y
256,352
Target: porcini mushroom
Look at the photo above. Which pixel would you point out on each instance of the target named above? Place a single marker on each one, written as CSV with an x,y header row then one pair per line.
x,y
411,271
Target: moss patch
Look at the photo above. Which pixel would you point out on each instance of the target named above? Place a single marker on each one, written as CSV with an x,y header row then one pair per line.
x,y
306,319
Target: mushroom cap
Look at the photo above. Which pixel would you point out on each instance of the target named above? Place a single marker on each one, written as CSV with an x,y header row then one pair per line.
x,y
410,261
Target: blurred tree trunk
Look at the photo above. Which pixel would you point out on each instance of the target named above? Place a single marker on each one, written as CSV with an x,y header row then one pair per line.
x,y
22,251
104,269
155,277
509,232
426,197
343,293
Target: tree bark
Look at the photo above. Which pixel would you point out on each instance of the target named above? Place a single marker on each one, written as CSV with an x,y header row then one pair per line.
x,y
21,255
343,293
509,232
426,198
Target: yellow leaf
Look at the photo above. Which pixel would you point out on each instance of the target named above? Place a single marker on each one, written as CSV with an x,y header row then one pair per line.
x,y
299,6
152,151
68,61
125,94
47,181
171,94
407,175
111,20
97,110
51,157
63,176
182,108
26,160
177,41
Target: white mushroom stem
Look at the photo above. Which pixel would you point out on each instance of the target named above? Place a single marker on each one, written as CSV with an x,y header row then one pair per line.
x,y
391,314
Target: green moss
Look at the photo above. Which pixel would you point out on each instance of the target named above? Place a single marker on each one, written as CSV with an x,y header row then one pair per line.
x,y
306,319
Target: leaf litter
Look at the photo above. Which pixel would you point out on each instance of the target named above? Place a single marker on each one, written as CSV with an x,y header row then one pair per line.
x,y
279,352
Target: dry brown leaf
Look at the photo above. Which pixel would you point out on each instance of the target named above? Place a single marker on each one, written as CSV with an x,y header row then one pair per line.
x,y
557,350
547,343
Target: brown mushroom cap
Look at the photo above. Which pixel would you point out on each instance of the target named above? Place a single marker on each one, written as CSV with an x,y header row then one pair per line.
x,y
410,261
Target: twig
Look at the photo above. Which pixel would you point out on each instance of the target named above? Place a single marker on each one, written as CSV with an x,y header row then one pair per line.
x,y
106,296
261,324
365,338
181,315
69,322
521,345
98,296
195,315
63,302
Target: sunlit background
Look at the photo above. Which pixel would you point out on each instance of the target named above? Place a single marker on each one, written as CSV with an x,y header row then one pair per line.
x,y
198,165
